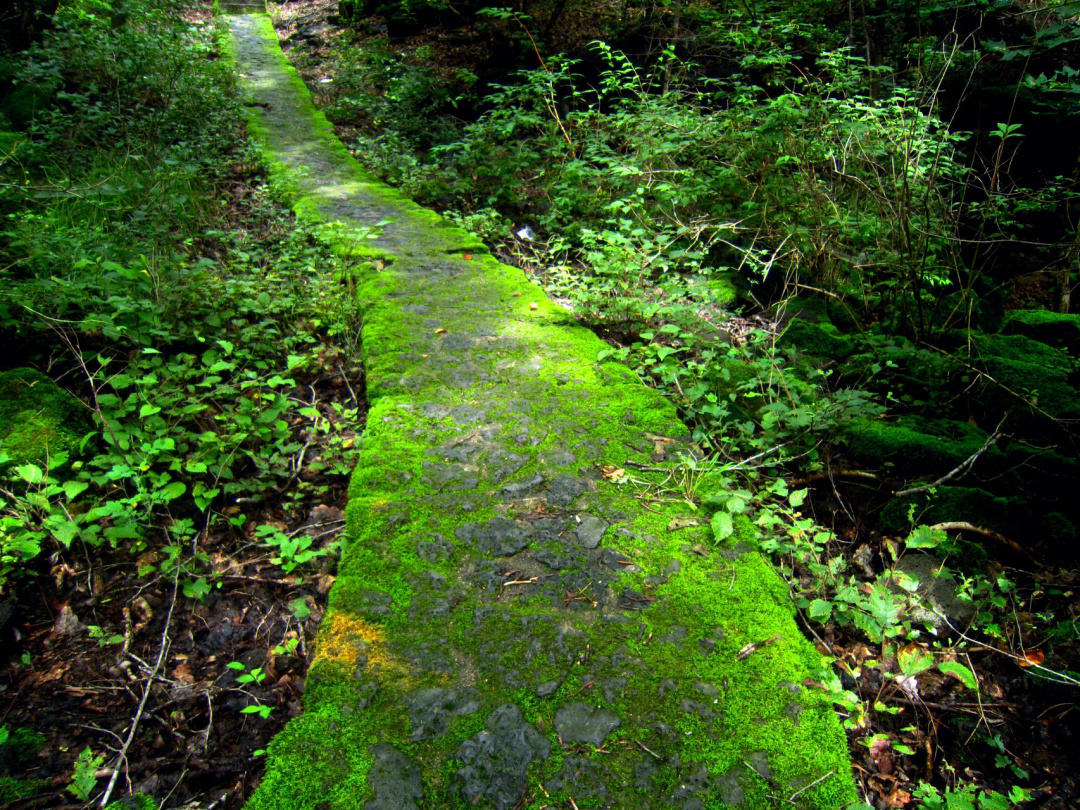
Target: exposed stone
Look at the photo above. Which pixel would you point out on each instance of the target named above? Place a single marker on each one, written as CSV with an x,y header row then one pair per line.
x,y
432,710
523,489
436,549
581,778
937,587
564,490
396,780
590,531
579,722
498,536
496,760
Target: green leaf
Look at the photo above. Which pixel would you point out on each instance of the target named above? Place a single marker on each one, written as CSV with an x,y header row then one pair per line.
x,y
961,672
172,491
196,589
252,709
796,498
820,610
925,537
148,410
73,489
722,525
235,665
30,473
914,660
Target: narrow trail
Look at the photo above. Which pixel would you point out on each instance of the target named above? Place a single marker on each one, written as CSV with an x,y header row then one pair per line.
x,y
513,625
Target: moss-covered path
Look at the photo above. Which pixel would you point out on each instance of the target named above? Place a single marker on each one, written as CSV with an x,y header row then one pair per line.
x,y
511,626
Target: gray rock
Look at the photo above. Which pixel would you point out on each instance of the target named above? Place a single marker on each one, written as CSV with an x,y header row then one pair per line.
x,y
564,490
590,531
498,536
449,477
496,761
432,710
579,722
502,464
432,550
548,689
435,410
395,779
644,773
937,587
692,787
430,657
581,778
523,489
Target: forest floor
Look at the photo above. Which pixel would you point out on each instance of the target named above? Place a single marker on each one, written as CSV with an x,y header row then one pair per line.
x,y
89,634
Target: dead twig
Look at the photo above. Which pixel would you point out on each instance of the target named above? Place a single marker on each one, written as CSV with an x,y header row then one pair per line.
x,y
964,526
960,468
750,649
122,756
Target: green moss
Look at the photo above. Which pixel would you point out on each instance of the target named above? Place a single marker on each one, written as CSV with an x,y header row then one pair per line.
x,y
1020,517
949,504
817,339
136,801
37,417
23,743
12,789
915,445
1051,328
1014,348
320,760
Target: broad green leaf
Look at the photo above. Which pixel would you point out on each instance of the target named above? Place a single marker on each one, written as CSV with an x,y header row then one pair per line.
x,y
913,660
73,489
722,525
924,537
820,610
172,491
30,473
961,672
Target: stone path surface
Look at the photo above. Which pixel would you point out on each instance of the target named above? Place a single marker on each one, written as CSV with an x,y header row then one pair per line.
x,y
511,625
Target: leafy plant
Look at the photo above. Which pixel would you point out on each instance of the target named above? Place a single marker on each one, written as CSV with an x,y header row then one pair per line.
x,y
84,777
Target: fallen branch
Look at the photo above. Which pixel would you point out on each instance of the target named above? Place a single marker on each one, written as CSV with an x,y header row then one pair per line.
x,y
964,526
962,467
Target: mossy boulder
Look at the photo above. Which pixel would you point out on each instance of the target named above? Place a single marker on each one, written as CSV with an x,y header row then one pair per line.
x,y
1030,369
916,445
1019,517
37,417
1051,328
820,339
947,503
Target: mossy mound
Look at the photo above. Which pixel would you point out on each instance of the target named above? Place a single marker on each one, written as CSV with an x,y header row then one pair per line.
x,y
1019,517
510,626
820,339
37,417
914,445
1051,328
